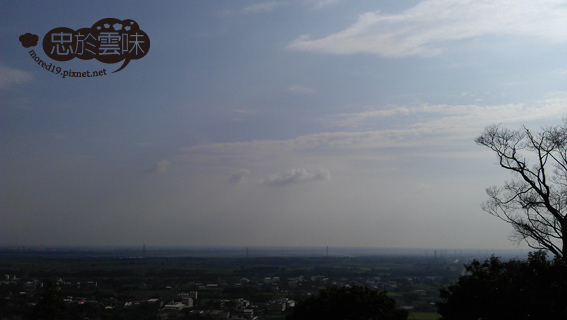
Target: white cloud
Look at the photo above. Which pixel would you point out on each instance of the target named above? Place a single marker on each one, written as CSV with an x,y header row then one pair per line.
x,y
559,72
319,4
295,176
10,76
458,118
322,174
426,28
161,166
240,176
423,131
261,7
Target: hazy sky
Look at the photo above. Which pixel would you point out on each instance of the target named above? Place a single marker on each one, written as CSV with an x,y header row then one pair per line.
x,y
288,123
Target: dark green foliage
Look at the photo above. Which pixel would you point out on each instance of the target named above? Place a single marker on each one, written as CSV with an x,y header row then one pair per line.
x,y
410,297
51,306
533,289
348,303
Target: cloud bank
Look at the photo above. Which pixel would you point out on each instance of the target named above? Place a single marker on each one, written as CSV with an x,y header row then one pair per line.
x,y
240,176
10,76
426,28
161,166
260,7
295,176
430,126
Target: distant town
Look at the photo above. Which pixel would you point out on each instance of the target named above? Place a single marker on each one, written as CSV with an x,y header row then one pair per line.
x,y
215,283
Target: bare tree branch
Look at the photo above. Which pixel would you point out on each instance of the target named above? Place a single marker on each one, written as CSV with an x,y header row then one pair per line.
x,y
535,202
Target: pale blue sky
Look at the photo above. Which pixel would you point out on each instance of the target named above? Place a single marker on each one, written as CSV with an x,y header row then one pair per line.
x,y
291,123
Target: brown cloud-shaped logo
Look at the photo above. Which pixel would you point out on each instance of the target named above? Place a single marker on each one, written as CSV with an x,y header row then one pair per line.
x,y
109,40
29,40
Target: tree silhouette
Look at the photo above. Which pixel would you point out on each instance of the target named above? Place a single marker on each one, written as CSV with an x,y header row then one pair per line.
x,y
533,289
535,201
348,303
51,306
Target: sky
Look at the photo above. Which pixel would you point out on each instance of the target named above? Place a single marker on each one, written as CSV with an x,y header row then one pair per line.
x,y
274,123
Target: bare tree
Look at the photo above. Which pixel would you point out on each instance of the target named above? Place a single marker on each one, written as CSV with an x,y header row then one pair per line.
x,y
534,202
